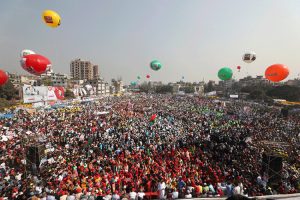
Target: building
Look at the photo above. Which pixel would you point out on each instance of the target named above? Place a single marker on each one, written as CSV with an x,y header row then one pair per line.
x,y
102,88
295,82
59,79
95,71
48,73
224,85
15,80
83,70
19,80
250,81
117,86
198,88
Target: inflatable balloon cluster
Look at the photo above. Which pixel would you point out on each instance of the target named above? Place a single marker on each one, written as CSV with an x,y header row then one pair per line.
x,y
34,63
274,73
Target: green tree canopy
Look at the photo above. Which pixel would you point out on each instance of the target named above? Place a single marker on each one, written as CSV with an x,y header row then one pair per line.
x,y
290,93
145,87
69,94
209,87
8,91
163,89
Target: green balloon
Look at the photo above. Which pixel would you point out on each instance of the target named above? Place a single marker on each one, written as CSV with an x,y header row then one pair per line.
x,y
139,77
225,73
155,65
133,83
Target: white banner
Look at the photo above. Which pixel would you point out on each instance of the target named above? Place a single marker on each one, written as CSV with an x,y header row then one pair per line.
x,y
234,96
51,96
213,93
32,94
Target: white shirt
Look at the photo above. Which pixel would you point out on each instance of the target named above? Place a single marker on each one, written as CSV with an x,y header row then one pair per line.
x,y
115,197
175,195
63,197
71,197
161,186
141,194
108,197
237,190
132,195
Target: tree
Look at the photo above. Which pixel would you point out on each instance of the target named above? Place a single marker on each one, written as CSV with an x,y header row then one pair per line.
x,y
209,87
290,93
257,94
145,87
163,89
8,91
188,89
69,94
47,82
5,104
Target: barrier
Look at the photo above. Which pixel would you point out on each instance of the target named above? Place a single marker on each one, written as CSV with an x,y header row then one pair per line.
x,y
295,196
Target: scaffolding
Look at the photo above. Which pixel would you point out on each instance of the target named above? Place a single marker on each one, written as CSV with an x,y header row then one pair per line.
x,y
274,154
33,151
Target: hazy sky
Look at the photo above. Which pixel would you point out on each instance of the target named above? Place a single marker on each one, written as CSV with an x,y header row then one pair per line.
x,y
191,38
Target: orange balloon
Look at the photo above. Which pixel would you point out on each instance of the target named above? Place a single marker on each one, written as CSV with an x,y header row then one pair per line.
x,y
277,72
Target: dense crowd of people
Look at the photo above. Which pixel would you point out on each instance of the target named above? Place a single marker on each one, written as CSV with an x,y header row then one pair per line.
x,y
109,149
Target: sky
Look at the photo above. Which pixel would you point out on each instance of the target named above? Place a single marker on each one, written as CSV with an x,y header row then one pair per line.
x,y
191,38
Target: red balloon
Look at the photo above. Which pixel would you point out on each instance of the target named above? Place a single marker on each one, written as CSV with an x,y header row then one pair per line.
x,y
148,76
3,77
35,64
238,67
153,117
277,72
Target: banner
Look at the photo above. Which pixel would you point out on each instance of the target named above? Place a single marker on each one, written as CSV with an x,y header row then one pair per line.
x,y
213,93
60,93
33,94
234,96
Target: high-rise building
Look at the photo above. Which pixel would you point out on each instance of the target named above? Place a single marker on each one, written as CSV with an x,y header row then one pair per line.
x,y
96,71
83,70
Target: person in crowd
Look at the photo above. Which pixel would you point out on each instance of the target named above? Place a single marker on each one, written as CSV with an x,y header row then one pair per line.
x,y
194,146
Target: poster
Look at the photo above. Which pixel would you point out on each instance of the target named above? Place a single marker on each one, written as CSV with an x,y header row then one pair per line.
x,y
33,94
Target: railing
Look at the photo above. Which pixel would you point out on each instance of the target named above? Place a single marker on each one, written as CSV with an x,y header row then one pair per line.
x,y
295,196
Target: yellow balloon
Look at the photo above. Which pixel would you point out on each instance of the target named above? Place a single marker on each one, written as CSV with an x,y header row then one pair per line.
x,y
51,18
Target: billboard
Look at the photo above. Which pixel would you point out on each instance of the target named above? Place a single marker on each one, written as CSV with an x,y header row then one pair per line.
x,y
32,94
234,96
86,90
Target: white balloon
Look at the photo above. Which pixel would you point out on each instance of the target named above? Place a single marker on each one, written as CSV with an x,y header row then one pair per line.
x,y
249,57
26,52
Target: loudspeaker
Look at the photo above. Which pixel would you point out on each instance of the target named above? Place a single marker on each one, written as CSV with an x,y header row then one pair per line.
x,y
272,166
285,112
34,154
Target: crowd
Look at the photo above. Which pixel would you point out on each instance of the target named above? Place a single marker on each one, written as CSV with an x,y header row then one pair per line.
x,y
194,148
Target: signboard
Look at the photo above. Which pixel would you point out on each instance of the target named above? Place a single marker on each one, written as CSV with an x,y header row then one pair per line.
x,y
33,94
234,96
213,93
